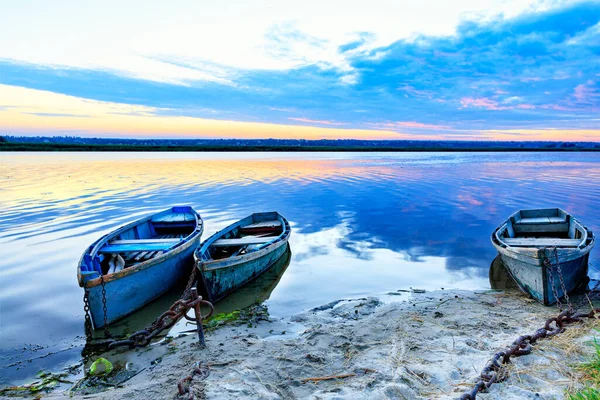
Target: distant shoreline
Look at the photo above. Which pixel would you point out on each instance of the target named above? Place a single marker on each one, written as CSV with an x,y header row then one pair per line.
x,y
62,147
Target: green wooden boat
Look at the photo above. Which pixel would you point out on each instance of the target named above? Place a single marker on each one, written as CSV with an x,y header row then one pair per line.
x,y
238,254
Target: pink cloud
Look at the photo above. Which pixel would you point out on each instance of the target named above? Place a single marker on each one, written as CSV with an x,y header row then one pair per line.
x,y
531,79
407,124
320,122
489,104
584,93
555,107
416,92
480,102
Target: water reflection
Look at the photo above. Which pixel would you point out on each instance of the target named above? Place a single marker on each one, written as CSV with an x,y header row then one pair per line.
x,y
363,224
500,279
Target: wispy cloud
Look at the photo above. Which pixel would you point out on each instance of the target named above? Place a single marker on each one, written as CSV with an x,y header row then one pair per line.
x,y
318,122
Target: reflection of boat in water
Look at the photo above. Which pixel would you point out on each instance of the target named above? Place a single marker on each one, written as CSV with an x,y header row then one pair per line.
x,y
500,278
257,291
241,252
544,251
154,254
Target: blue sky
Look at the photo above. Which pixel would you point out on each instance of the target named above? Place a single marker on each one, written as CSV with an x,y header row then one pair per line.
x,y
466,70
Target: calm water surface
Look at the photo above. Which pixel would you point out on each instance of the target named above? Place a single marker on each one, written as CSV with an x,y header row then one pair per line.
x,y
363,224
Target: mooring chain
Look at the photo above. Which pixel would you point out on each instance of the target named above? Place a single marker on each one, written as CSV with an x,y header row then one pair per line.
x,y
190,283
553,326
550,272
106,331
88,318
560,277
200,371
169,318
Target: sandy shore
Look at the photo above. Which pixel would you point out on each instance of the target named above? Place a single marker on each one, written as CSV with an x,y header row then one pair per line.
x,y
431,346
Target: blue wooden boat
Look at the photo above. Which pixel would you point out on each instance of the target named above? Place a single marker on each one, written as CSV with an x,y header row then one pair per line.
x,y
156,252
532,244
239,253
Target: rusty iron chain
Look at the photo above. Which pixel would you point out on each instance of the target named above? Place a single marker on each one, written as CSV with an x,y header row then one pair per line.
x,y
104,309
190,283
88,318
165,321
201,371
562,281
550,273
492,372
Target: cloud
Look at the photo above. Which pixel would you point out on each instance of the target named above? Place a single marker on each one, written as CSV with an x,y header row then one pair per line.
x,y
519,71
411,125
322,122
586,93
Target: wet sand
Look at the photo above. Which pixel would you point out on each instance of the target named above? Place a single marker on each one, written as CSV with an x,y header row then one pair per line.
x,y
432,346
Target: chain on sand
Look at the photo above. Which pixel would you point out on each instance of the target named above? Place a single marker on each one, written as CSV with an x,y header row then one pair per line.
x,y
494,371
165,321
200,371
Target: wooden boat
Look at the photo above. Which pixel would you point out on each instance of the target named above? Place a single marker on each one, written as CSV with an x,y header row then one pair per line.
x,y
239,253
157,251
258,290
532,244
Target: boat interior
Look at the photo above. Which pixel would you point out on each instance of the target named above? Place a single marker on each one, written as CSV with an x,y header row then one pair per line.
x,y
249,236
547,227
150,238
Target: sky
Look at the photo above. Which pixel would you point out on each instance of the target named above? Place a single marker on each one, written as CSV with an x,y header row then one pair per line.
x,y
382,69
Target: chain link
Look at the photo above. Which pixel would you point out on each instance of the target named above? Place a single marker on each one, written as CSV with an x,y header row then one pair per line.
x,y
201,371
550,273
188,287
88,318
104,309
562,281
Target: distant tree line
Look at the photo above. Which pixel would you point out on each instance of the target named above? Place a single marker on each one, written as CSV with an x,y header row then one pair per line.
x,y
74,143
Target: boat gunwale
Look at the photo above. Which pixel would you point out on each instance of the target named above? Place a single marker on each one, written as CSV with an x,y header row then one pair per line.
x,y
233,261
539,252
179,247
228,262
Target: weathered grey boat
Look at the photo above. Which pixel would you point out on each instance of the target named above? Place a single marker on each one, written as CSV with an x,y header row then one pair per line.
x,y
544,250
239,253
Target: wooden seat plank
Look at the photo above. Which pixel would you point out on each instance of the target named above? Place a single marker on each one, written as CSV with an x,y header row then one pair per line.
x,y
264,224
544,242
126,248
540,220
248,240
144,241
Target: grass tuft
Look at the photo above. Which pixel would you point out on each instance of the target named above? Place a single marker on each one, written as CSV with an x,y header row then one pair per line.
x,y
591,372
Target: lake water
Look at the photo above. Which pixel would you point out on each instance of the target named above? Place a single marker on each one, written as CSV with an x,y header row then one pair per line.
x,y
363,224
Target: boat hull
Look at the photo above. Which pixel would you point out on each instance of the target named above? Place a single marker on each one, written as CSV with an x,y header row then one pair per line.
x,y
537,279
222,278
131,292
